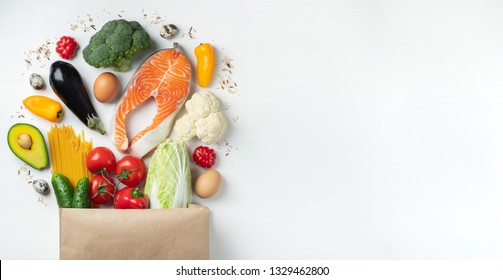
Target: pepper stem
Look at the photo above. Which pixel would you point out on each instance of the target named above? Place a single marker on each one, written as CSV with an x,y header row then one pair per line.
x,y
136,193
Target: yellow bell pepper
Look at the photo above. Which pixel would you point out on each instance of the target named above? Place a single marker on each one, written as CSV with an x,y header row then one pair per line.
x,y
205,63
44,107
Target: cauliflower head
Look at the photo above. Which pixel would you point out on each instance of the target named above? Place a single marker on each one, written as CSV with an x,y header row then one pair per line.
x,y
203,119
202,104
185,128
211,128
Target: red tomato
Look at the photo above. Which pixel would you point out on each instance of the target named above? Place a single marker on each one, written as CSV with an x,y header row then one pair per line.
x,y
131,171
131,198
102,189
101,159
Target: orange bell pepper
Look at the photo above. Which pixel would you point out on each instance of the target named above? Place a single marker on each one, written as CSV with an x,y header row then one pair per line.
x,y
44,107
205,63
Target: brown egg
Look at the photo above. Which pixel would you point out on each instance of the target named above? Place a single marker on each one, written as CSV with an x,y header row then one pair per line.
x,y
106,87
208,183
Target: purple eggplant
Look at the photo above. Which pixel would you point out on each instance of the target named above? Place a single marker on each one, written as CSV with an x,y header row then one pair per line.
x,y
66,82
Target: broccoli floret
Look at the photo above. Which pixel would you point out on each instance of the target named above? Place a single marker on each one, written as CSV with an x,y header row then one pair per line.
x,y
115,44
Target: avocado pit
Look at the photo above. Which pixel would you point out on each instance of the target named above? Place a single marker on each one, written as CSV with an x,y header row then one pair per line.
x,y
24,140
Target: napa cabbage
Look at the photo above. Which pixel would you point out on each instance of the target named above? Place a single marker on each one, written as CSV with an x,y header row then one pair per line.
x,y
168,183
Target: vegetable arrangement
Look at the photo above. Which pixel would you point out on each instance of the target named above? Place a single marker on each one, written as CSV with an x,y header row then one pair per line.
x,y
130,171
168,179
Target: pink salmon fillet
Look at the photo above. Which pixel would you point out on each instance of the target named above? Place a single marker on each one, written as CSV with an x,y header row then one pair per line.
x,y
165,76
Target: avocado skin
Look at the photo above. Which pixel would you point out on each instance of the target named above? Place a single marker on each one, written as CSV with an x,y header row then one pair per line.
x,y
35,157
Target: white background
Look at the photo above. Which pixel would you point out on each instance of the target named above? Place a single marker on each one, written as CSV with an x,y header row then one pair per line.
x,y
367,129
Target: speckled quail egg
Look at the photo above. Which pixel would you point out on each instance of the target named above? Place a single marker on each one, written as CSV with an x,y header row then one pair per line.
x,y
36,81
41,186
168,31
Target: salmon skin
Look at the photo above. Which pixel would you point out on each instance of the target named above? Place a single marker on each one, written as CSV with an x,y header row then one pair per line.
x,y
164,76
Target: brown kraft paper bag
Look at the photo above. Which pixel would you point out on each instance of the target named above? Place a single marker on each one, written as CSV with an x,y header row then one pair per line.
x,y
146,234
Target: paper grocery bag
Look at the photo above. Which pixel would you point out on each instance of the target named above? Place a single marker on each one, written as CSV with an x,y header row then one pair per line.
x,y
100,234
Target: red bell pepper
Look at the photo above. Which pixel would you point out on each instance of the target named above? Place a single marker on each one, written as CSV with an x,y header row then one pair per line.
x,y
131,198
66,47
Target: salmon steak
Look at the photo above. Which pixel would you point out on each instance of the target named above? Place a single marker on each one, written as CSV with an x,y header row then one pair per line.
x,y
165,77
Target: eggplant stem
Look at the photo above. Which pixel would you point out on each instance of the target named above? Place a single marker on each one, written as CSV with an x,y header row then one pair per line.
x,y
94,122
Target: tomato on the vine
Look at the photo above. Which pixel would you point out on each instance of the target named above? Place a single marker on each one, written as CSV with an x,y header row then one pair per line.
x,y
102,189
101,159
131,171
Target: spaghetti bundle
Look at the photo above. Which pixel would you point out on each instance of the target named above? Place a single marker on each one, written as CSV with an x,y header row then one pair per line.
x,y
69,152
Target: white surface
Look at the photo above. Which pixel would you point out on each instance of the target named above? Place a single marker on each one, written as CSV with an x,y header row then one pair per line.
x,y
367,129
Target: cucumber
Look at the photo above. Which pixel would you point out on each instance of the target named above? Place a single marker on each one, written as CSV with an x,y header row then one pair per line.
x,y
63,190
81,196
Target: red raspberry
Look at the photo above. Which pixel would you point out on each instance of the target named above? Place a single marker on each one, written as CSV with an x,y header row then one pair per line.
x,y
204,156
66,47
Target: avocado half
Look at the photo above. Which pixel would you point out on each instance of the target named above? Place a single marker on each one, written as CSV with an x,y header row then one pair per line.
x,y
36,155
